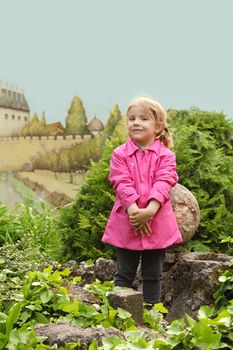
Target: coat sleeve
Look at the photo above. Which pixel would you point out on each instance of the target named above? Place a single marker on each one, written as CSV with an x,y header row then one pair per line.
x,y
165,178
122,181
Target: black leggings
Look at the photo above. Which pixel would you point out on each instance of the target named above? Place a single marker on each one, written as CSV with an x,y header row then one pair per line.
x,y
152,264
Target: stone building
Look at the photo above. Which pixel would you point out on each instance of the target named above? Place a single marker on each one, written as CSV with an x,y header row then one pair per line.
x,y
14,110
95,126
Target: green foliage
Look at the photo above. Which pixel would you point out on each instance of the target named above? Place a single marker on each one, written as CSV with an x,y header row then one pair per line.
x,y
15,261
44,296
209,332
113,120
203,146
76,120
36,127
83,223
39,226
43,119
224,292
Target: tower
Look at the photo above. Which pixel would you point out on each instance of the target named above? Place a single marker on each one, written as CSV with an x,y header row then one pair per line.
x,y
14,110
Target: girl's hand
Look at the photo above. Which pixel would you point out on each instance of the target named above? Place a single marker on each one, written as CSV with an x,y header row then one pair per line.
x,y
132,208
143,230
140,217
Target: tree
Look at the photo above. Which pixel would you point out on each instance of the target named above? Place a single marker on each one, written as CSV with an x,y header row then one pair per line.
x,y
114,118
36,127
76,120
43,119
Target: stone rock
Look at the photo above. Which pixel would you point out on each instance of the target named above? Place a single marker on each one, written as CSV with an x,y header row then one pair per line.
x,y
87,273
72,265
105,269
186,210
63,333
83,295
130,300
191,282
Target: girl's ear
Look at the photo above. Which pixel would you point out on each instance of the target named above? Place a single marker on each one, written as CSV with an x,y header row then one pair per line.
x,y
158,127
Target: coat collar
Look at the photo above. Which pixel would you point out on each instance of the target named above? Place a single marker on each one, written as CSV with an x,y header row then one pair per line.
x,y
132,147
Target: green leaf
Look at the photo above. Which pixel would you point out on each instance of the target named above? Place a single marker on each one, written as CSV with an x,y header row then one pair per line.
x,y
13,317
176,327
24,316
66,272
39,317
190,320
71,307
110,343
204,337
123,314
46,295
112,314
3,316
3,341
77,279
159,307
205,312
93,345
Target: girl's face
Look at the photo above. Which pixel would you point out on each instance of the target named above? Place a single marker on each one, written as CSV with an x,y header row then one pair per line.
x,y
141,127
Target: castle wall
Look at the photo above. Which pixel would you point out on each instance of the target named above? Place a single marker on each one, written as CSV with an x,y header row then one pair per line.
x,y
12,121
15,152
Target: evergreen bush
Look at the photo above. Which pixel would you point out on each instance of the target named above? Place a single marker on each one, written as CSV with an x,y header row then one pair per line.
x,y
203,147
82,224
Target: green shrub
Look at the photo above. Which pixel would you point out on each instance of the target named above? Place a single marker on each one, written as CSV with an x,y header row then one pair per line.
x,y
224,293
40,228
83,223
203,146
15,261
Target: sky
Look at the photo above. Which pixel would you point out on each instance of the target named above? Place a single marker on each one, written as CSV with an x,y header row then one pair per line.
x,y
179,52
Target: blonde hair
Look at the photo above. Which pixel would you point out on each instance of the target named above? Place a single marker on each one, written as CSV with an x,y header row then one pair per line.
x,y
155,111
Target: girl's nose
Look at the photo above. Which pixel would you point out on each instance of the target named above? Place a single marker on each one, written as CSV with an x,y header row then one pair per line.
x,y
135,121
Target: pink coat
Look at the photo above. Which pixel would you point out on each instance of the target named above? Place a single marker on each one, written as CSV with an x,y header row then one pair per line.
x,y
139,176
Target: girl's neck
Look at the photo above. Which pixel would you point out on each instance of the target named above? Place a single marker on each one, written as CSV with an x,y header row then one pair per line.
x,y
143,145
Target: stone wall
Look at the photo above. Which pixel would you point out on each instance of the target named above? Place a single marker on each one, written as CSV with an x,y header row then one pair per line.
x,y
16,151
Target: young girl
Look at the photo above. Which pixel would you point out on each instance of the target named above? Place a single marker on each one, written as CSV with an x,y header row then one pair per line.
x,y
142,222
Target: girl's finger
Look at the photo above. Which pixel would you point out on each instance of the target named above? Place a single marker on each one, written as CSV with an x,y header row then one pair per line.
x,y
136,224
146,231
148,228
